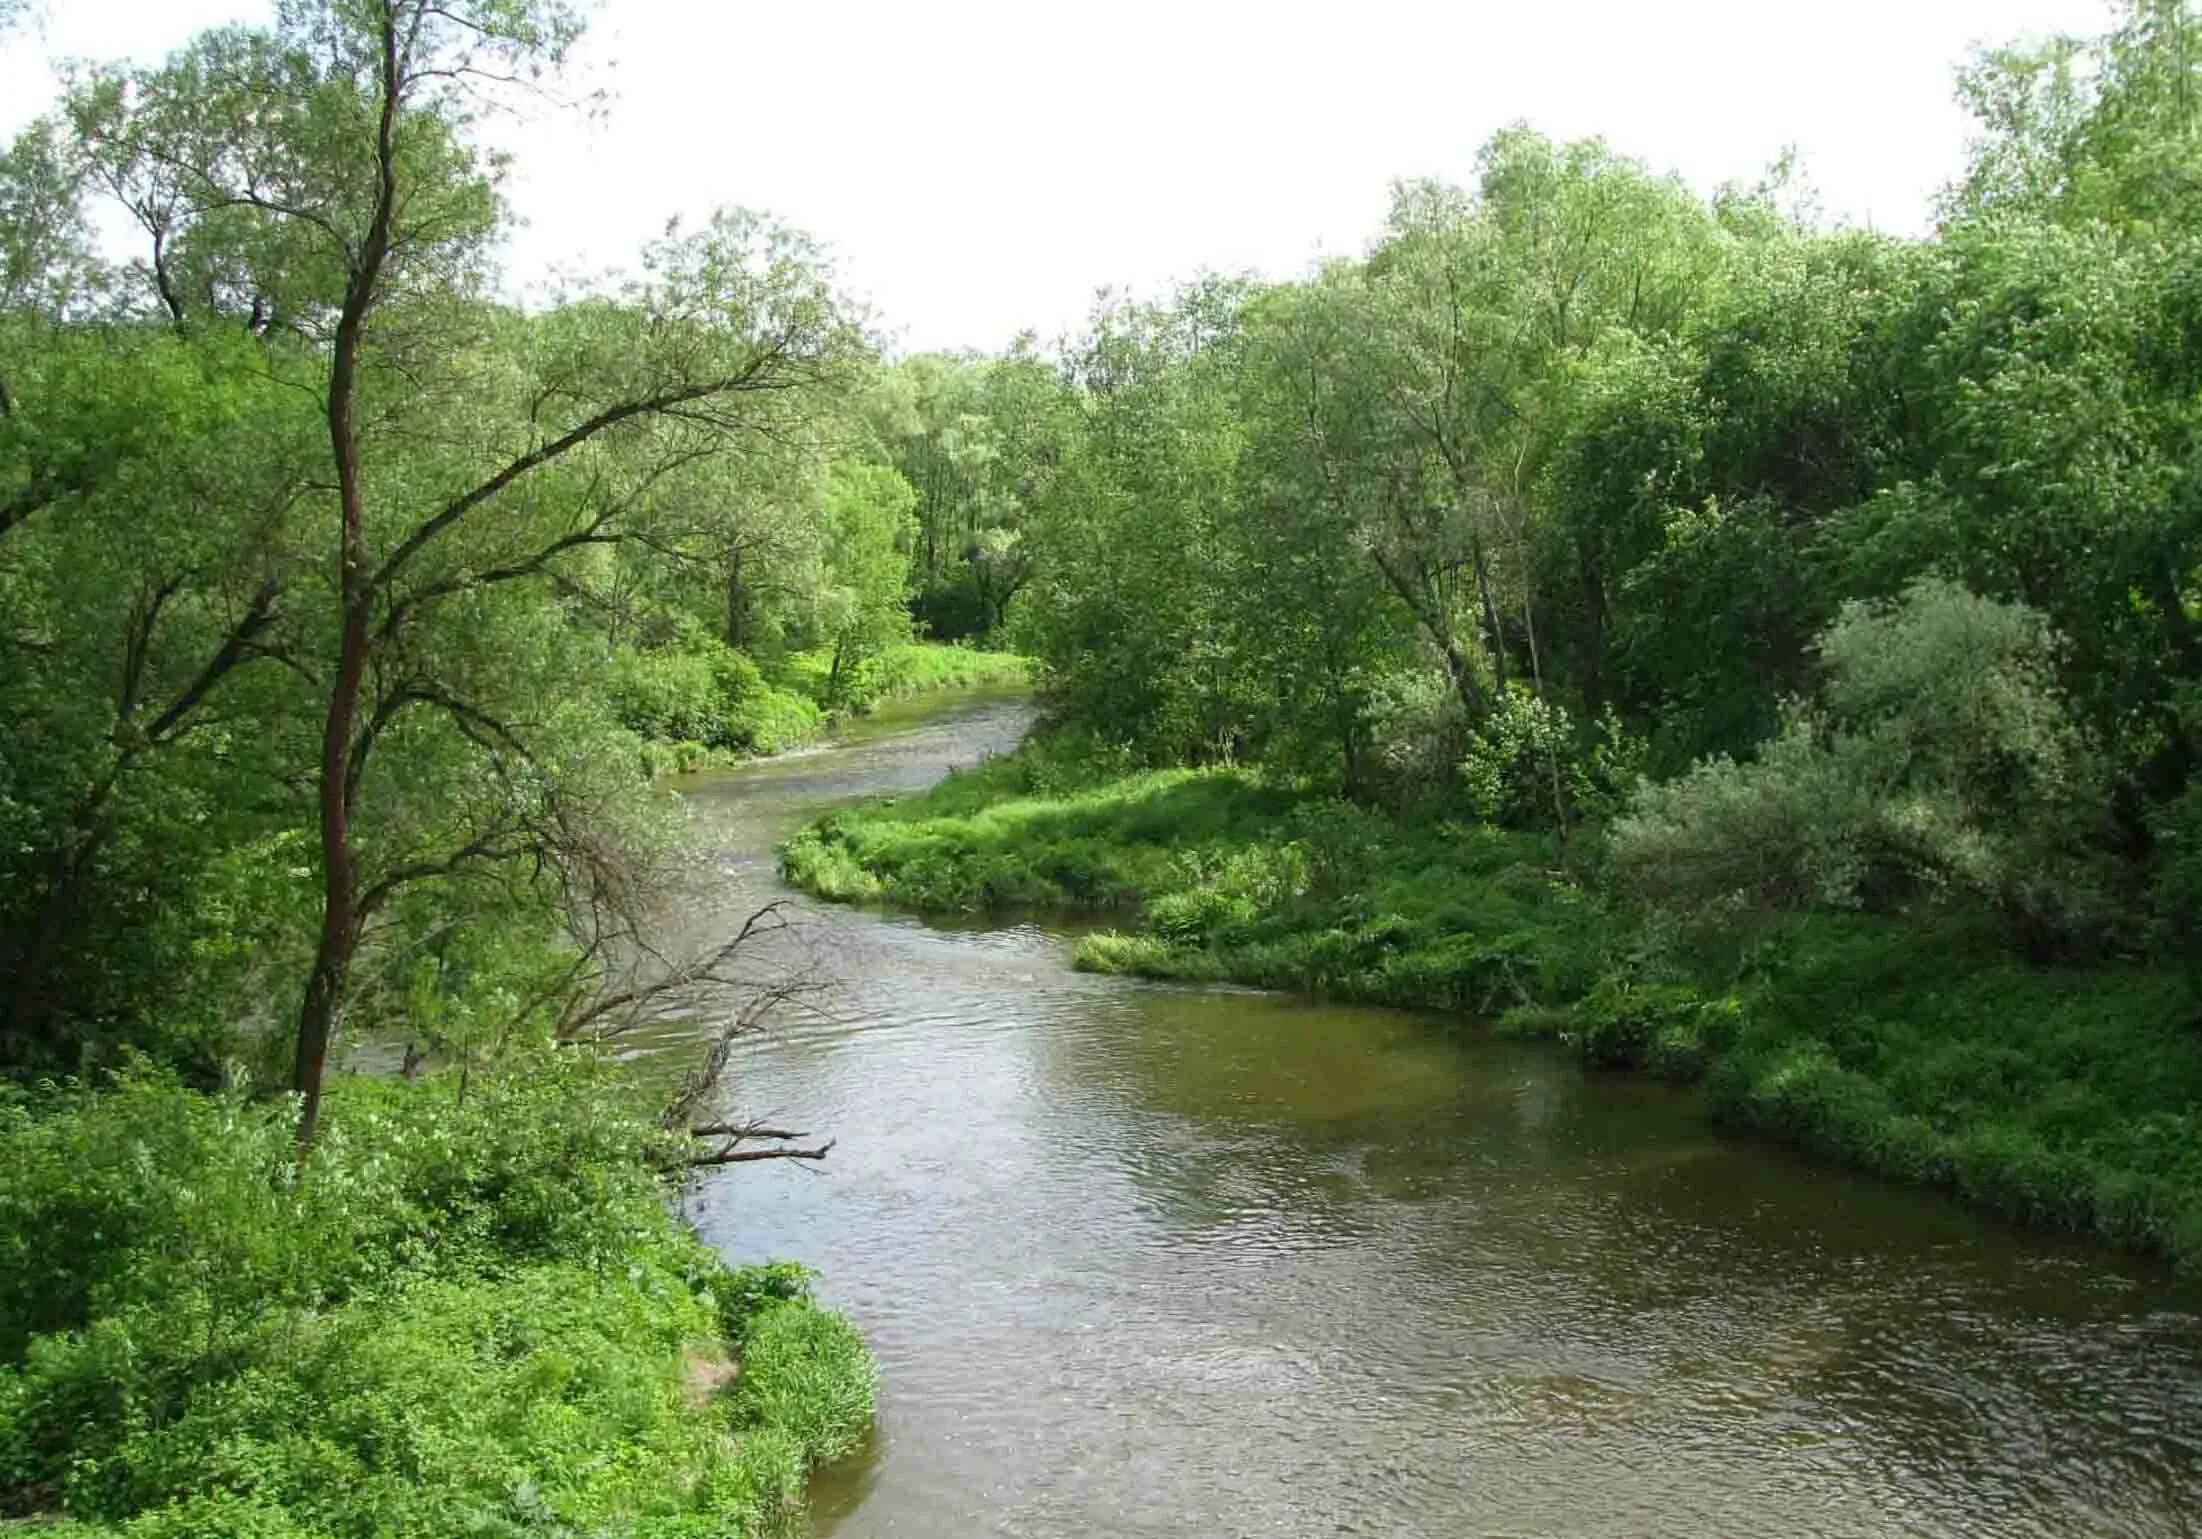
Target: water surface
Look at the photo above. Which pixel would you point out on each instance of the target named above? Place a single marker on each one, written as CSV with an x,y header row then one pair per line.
x,y
1147,1260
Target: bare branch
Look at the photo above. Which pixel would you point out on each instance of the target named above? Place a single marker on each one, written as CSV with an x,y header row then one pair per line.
x,y
705,971
741,1130
734,1156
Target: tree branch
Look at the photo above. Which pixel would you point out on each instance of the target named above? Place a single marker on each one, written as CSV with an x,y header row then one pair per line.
x,y
236,648
565,443
731,1155
741,1130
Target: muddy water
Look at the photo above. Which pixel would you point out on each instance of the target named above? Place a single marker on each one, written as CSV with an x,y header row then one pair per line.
x,y
1141,1260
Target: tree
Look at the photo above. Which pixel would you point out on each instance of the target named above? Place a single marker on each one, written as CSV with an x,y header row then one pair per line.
x,y
348,204
1130,602
1940,761
870,534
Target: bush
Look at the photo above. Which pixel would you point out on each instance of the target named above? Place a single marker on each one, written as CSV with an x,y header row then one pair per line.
x,y
703,692
1417,731
1527,765
769,720
1786,829
671,695
465,1314
1943,761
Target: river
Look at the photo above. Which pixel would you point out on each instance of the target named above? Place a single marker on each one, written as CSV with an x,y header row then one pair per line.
x,y
1148,1260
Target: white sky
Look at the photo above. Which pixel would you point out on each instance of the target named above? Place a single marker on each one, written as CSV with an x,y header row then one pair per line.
x,y
981,167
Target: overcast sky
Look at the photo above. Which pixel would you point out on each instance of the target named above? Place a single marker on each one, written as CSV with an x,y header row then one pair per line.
x,y
979,168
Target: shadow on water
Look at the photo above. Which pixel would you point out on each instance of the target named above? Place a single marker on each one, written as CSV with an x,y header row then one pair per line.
x,y
1142,1259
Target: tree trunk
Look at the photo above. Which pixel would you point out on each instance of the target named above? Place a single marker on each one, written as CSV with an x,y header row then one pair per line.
x,y
1594,608
27,998
1491,626
340,890
737,601
1459,671
1536,676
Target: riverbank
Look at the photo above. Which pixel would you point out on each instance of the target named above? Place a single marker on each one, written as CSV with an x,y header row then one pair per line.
x,y
473,1311
702,711
1915,1047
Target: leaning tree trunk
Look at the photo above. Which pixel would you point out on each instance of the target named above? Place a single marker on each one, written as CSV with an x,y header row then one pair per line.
x,y
1490,618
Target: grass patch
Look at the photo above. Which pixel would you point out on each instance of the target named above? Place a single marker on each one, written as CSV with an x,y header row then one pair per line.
x,y
696,709
900,672
460,1318
1918,1047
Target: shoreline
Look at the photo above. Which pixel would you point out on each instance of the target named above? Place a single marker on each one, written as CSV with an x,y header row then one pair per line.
x,y
908,671
1915,1048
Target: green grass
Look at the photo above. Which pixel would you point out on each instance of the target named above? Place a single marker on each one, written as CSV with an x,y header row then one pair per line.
x,y
1917,1047
687,719
903,670
477,1318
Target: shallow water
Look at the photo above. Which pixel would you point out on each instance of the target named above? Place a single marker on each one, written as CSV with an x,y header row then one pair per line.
x,y
1144,1260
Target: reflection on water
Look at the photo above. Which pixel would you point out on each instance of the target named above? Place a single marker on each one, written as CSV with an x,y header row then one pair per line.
x,y
1148,1260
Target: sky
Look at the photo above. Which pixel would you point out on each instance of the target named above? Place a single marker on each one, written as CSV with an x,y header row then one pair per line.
x,y
979,168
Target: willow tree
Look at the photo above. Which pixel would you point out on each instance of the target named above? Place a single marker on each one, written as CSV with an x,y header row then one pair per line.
x,y
323,178
1462,320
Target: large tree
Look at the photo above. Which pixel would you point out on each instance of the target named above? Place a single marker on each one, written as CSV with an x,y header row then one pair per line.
x,y
320,180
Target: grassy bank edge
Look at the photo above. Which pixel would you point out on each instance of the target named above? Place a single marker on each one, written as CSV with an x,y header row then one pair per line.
x,y
468,1313
1916,1048
791,707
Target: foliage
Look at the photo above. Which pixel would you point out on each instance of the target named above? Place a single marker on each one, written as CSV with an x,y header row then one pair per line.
x,y
1528,765
1942,758
979,440
703,691
463,1312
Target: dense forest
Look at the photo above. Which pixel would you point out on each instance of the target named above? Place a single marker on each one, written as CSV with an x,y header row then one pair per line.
x,y
1759,651
1763,653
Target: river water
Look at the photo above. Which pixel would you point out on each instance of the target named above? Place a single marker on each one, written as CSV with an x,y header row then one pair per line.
x,y
1147,1260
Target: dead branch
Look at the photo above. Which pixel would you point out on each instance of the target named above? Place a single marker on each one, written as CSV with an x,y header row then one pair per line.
x,y
704,972
741,1130
733,1156
704,1078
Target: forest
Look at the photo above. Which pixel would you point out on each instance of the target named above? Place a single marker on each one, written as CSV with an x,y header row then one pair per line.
x,y
1756,652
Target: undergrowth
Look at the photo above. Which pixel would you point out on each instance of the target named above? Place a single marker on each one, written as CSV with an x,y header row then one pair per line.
x,y
693,709
471,1316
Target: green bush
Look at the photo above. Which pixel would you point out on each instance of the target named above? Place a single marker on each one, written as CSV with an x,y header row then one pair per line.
x,y
469,1314
672,695
702,694
1528,765
769,720
1944,762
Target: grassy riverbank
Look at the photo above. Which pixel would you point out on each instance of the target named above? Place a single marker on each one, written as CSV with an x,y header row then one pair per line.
x,y
1920,1047
464,1315
716,706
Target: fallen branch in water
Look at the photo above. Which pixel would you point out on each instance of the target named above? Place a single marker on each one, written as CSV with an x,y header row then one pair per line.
x,y
731,1155
741,1130
738,1133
